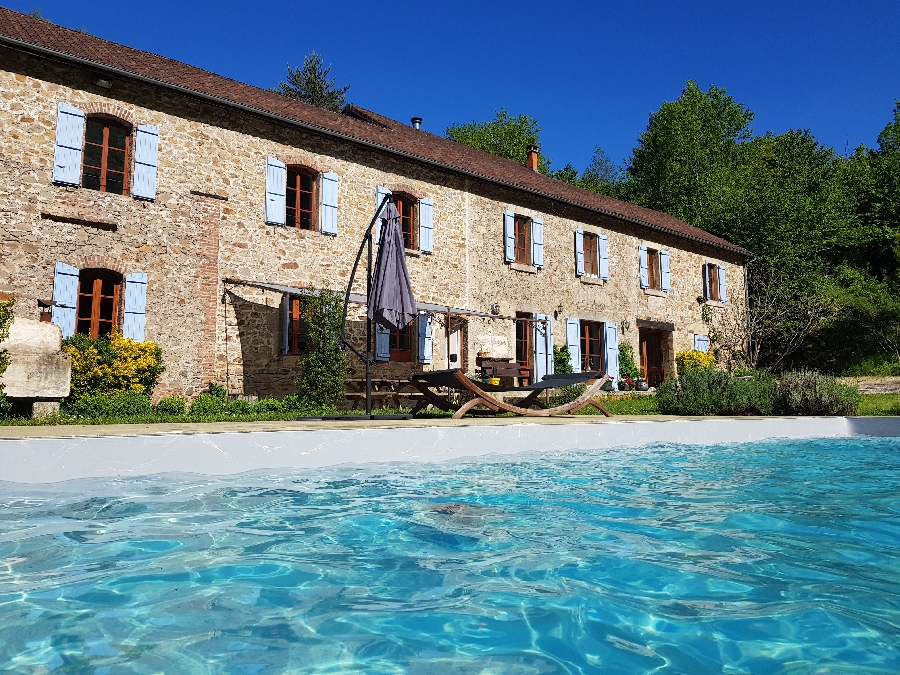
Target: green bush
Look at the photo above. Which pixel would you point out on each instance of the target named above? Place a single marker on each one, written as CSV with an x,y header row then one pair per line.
x,y
324,366
268,405
239,407
120,404
714,392
173,406
111,364
210,402
627,366
6,320
811,393
292,402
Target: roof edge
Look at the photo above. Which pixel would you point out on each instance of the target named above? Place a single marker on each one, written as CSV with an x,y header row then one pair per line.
x,y
47,51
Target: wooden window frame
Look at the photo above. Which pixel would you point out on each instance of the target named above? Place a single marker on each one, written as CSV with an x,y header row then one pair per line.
x,y
104,153
396,353
592,346
654,275
712,282
297,327
95,297
522,235
591,255
299,173
409,223
524,336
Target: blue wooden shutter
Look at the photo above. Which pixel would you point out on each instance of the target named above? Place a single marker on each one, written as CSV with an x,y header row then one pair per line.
x,y
382,343
537,242
69,139
701,343
611,339
146,159
723,285
509,236
426,228
704,270
135,306
65,295
423,327
665,275
285,321
645,273
543,347
380,192
579,253
603,246
573,341
329,209
276,186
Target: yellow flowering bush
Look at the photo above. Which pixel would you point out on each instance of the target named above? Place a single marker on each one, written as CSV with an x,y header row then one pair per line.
x,y
112,364
694,360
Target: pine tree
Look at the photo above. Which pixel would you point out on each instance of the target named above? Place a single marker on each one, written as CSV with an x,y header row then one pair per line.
x,y
310,84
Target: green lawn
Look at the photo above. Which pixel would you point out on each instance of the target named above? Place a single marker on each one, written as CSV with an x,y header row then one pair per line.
x,y
880,404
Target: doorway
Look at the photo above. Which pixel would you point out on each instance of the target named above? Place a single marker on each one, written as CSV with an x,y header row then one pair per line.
x,y
651,349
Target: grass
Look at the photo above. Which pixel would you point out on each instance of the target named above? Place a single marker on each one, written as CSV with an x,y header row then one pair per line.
x,y
879,404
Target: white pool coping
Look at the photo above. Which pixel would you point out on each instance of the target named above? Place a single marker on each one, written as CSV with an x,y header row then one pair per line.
x,y
61,458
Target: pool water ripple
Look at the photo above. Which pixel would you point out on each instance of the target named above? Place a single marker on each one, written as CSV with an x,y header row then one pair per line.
x,y
778,557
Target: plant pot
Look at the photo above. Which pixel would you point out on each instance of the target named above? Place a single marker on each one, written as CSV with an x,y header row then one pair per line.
x,y
642,385
624,387
607,386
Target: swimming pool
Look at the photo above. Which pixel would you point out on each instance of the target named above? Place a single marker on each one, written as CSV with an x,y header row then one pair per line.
x,y
760,558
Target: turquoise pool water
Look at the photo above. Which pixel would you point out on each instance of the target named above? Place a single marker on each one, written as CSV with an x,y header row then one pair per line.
x,y
780,557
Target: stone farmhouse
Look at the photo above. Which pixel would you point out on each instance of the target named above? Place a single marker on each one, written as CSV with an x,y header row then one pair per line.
x,y
180,206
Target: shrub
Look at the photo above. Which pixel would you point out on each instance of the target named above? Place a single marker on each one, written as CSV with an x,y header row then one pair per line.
x,y
705,391
6,320
292,402
324,366
111,364
268,405
810,393
239,407
120,404
562,360
173,406
627,365
211,402
693,360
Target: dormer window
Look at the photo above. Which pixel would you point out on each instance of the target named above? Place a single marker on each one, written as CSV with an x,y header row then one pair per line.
x,y
107,156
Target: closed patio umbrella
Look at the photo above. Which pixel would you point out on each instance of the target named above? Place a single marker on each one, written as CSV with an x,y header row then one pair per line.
x,y
391,301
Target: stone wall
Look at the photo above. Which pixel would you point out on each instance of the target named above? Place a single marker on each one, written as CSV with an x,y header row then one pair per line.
x,y
207,225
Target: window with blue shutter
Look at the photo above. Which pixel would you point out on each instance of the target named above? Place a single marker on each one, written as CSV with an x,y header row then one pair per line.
x,y
573,342
426,227
135,306
380,193
423,325
701,343
665,276
69,140
723,285
146,160
603,242
382,343
509,236
537,242
329,207
579,253
611,335
276,187
65,295
645,270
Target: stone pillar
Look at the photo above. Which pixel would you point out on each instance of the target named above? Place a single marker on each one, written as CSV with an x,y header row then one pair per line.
x,y
208,211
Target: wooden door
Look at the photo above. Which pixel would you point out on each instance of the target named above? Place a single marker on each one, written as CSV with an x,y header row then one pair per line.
x,y
651,356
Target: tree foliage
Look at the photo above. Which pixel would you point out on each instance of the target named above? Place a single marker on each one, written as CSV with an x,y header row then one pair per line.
x,y
309,83
6,320
324,366
505,136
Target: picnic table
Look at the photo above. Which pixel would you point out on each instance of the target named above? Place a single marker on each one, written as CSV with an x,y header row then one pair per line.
x,y
401,393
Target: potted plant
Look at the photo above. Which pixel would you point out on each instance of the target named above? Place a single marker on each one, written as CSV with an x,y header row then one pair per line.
x,y
641,385
607,386
626,383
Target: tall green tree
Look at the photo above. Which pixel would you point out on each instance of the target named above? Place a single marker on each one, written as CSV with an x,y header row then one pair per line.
x,y
310,83
506,136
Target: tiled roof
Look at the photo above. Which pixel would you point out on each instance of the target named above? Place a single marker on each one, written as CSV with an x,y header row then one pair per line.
x,y
360,126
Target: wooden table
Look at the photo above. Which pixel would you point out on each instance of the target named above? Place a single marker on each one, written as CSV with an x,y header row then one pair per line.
x,y
399,392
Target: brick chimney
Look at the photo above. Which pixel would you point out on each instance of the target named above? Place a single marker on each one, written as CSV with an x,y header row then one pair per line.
x,y
532,157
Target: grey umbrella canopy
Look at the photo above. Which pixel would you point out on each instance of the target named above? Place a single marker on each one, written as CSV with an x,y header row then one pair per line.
x,y
391,301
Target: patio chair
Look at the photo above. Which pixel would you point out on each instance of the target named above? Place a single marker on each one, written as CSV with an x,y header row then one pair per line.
x,y
455,379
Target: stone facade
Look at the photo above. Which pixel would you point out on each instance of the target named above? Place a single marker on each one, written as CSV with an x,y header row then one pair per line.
x,y
207,225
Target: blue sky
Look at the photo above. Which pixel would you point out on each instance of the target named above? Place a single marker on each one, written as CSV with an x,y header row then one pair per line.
x,y
590,72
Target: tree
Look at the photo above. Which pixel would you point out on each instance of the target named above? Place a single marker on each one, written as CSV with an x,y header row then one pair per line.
x,y
505,136
310,84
